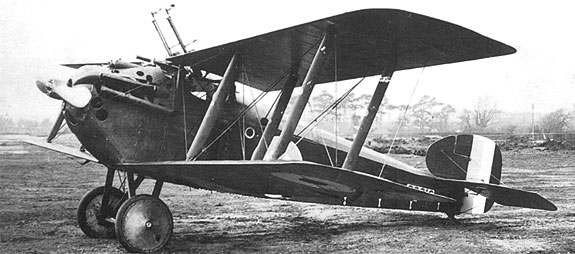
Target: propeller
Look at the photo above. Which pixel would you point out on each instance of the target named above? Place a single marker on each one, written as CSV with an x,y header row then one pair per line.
x,y
56,127
78,96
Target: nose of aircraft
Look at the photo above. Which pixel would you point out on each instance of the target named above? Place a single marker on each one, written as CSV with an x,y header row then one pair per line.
x,y
78,95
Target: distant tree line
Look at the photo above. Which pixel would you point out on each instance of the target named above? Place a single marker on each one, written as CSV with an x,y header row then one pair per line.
x,y
25,126
428,115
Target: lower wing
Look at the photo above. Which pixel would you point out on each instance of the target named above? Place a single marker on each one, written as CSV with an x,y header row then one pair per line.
x,y
41,142
289,180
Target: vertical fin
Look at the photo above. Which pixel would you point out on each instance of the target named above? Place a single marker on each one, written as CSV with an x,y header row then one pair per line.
x,y
471,158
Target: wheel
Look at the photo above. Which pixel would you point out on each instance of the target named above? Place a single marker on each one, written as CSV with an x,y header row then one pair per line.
x,y
144,223
89,211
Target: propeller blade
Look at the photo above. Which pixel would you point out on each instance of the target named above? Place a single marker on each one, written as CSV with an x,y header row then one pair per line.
x,y
57,126
47,89
78,96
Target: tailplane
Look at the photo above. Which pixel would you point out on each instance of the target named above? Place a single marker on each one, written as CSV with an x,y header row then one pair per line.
x,y
473,163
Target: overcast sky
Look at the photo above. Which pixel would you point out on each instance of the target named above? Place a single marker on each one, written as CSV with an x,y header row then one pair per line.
x,y
36,36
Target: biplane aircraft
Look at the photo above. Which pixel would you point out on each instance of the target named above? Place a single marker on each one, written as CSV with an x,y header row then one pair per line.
x,y
170,121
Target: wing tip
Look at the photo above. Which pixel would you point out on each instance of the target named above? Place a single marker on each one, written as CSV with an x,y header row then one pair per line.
x,y
547,205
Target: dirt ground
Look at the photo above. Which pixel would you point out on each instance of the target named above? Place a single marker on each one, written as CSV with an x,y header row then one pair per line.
x,y
41,189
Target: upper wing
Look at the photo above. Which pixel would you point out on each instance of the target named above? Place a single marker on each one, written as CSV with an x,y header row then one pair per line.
x,y
364,39
291,180
506,196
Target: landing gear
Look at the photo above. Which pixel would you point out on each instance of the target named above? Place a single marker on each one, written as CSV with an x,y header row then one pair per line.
x,y
91,219
144,224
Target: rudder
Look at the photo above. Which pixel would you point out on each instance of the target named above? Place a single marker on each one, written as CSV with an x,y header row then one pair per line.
x,y
471,158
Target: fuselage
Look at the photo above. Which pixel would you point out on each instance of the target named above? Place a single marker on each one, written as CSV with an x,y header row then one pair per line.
x,y
125,122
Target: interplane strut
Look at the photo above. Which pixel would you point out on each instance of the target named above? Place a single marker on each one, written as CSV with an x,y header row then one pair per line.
x,y
353,154
276,118
216,106
309,82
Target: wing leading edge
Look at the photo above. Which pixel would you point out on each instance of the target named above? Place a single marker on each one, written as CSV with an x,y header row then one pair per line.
x,y
364,39
297,181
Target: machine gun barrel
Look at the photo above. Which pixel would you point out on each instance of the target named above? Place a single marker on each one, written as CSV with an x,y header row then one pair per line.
x,y
166,46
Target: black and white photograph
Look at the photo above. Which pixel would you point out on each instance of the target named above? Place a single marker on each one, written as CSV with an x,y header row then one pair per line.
x,y
287,126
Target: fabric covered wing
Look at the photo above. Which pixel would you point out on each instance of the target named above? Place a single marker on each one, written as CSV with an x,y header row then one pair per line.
x,y
506,196
297,181
41,142
364,39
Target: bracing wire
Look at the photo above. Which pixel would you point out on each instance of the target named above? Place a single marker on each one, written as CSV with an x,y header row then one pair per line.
x,y
273,104
331,161
253,103
243,112
335,68
402,119
326,111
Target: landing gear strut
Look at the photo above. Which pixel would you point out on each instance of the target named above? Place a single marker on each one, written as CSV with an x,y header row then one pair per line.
x,y
142,223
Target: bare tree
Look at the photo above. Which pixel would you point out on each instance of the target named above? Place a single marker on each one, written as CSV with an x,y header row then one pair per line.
x,y
485,110
555,122
481,116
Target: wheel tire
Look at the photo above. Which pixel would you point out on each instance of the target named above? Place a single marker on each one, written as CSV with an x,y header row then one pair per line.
x,y
89,207
144,223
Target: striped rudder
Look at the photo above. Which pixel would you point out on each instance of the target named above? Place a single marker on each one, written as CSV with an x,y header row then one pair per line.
x,y
471,158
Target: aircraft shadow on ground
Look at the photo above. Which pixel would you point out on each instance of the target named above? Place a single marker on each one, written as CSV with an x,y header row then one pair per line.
x,y
302,230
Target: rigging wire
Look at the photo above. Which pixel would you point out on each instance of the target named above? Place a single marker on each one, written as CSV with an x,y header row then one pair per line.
x,y
259,98
404,116
336,108
331,162
402,119
274,103
326,111
243,113
247,78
